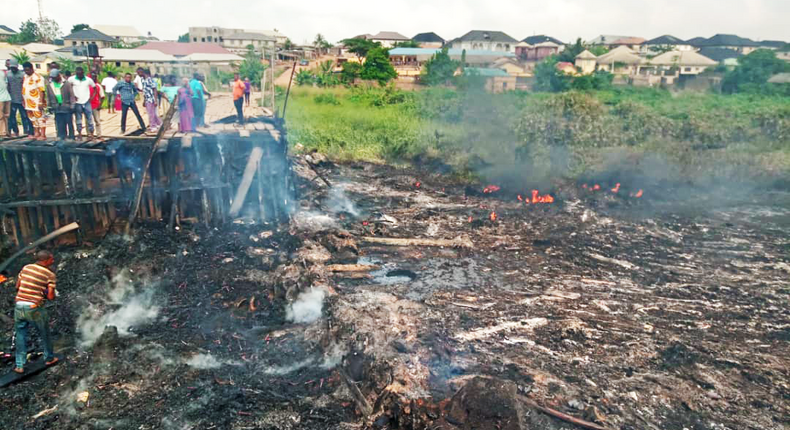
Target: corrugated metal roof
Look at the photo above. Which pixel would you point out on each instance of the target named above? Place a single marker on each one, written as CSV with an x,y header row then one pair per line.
x,y
481,71
489,36
149,55
39,48
621,54
389,35
6,30
666,40
181,49
452,52
219,58
682,58
118,30
89,34
430,37
532,40
251,36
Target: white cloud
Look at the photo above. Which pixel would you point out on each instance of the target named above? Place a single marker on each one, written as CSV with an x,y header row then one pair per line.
x,y
301,20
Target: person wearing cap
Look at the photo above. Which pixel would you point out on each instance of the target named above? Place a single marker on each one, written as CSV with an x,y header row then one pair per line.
x,y
34,285
35,102
61,99
15,80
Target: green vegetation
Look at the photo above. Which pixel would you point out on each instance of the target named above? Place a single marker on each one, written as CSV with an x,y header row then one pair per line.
x,y
440,69
251,67
79,27
699,132
359,46
377,67
45,30
184,38
407,44
21,57
753,72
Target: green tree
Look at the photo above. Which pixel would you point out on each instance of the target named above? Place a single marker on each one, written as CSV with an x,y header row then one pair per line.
x,y
251,67
67,64
28,32
351,71
288,45
548,78
79,27
359,46
753,72
48,30
21,57
571,51
184,38
440,69
321,44
377,67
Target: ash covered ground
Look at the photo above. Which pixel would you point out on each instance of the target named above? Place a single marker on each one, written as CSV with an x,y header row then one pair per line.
x,y
628,313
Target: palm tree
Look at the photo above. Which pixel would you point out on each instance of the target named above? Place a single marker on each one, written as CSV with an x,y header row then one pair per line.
x,y
21,57
320,43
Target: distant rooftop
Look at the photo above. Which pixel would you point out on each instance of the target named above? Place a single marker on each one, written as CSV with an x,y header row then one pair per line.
x,y
728,40
533,40
6,31
452,52
251,36
118,30
486,72
491,36
389,35
666,40
428,38
182,49
89,34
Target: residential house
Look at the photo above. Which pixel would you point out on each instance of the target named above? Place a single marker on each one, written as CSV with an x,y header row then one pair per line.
x,y
239,42
88,36
586,62
39,48
729,41
566,68
633,43
620,61
695,41
534,40
780,78
665,43
409,61
537,52
6,32
772,44
680,63
481,40
207,64
388,39
783,56
728,57
40,61
606,40
428,40
511,66
121,33
156,61
496,80
219,34
177,49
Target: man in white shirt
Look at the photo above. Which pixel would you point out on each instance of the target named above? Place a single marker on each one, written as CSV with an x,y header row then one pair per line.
x,y
109,83
81,85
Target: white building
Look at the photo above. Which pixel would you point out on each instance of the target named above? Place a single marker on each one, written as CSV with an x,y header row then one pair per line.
x,y
481,40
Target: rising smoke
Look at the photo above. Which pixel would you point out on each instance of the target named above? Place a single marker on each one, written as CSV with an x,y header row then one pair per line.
x,y
338,201
307,307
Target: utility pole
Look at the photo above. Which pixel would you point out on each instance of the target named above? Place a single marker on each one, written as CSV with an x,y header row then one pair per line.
x,y
40,10
274,106
263,79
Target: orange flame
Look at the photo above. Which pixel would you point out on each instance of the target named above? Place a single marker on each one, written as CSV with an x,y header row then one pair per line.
x,y
417,184
493,216
3,279
491,189
616,188
638,194
596,187
537,198
470,219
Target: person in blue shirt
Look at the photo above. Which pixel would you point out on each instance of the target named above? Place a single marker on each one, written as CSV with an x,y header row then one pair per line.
x,y
198,102
127,91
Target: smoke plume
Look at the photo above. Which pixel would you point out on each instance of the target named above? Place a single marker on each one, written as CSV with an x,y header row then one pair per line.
x,y
307,307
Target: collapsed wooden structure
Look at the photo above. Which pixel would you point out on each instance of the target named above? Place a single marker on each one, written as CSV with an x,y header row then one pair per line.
x,y
193,177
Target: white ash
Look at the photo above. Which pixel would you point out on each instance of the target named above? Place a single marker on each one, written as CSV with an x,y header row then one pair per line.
x,y
284,370
313,221
307,307
208,361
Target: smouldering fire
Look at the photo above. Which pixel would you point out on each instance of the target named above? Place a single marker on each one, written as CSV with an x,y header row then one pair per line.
x,y
491,189
493,216
417,184
3,279
537,198
616,188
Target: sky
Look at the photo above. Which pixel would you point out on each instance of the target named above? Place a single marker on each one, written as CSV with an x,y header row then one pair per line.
x,y
301,20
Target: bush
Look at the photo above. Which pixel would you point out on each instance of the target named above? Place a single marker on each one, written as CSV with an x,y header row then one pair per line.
x,y
326,99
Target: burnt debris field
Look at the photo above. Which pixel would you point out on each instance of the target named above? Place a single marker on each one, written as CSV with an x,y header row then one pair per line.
x,y
396,299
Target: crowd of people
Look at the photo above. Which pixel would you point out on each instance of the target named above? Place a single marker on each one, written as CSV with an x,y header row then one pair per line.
x,y
72,99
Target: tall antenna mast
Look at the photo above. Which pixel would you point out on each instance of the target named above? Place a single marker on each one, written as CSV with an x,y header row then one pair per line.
x,y
40,10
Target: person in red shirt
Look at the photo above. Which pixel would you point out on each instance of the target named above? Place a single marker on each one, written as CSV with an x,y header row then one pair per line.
x,y
97,94
238,97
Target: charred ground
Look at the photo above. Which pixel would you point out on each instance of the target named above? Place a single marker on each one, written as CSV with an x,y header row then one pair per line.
x,y
632,313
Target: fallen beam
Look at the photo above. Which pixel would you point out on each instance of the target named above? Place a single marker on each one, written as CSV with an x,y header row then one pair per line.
x,y
565,417
351,267
246,180
461,242
63,230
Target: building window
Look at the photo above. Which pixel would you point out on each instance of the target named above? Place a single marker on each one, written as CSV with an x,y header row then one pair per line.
x,y
38,66
73,43
194,39
687,69
215,30
117,64
202,39
221,39
131,63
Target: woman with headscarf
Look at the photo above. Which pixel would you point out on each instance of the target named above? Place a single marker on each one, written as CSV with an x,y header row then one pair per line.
x,y
185,107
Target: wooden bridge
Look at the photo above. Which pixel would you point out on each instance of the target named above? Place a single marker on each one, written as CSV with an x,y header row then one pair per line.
x,y
193,177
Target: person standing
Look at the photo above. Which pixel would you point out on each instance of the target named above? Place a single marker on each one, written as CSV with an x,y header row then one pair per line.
x,y
60,98
35,283
97,94
15,82
238,97
35,103
198,102
150,94
127,91
185,112
158,81
109,83
5,105
247,91
82,86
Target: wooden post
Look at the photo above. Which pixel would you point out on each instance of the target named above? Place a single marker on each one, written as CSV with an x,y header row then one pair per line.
x,y
175,181
139,193
261,200
246,180
273,63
